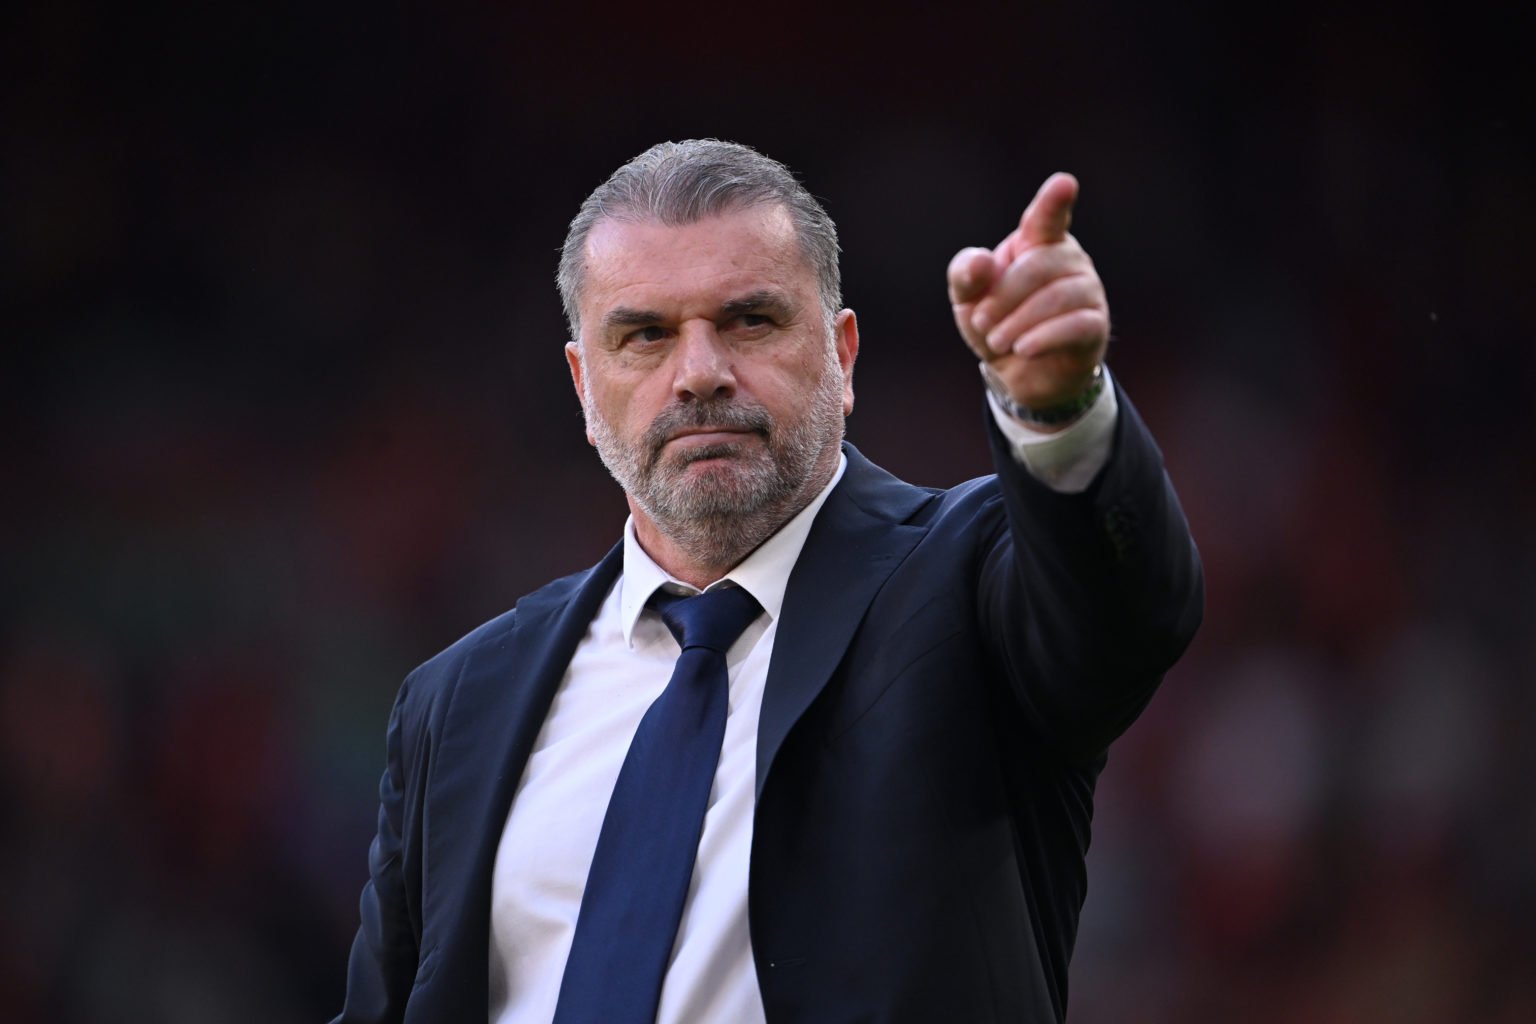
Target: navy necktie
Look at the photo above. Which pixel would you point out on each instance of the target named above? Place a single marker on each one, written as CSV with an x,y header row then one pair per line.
x,y
639,877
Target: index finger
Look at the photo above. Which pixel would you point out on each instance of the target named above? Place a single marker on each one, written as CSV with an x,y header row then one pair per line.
x,y
1049,214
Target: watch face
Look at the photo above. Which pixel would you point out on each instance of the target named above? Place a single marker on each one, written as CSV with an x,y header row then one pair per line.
x,y
999,391
995,384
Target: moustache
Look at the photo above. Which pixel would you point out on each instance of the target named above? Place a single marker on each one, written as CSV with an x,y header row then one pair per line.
x,y
705,414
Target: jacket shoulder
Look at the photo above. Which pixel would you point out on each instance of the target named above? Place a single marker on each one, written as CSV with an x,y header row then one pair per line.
x,y
440,671
885,496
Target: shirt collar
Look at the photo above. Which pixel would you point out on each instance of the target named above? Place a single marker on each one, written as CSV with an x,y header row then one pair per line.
x,y
764,573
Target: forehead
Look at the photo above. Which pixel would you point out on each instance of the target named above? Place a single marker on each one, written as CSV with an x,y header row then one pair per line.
x,y
650,265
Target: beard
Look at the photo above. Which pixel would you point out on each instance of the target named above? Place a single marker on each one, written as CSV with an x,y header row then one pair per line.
x,y
720,513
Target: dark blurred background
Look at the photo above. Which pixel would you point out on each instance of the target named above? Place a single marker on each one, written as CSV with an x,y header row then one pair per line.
x,y
285,411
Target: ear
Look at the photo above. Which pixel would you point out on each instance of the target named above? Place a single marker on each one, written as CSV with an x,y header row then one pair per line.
x,y
845,331
573,357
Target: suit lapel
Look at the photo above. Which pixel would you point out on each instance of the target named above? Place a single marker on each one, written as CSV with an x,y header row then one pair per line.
x,y
856,543
495,714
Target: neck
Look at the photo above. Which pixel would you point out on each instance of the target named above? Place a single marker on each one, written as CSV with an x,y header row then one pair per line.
x,y
702,550
682,557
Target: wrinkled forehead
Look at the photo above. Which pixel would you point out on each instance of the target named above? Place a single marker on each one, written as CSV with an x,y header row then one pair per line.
x,y
631,258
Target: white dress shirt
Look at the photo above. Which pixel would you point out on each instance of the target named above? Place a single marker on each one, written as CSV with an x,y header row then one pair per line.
x,y
621,665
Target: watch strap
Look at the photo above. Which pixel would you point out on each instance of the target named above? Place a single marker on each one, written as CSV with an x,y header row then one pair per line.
x,y
1056,415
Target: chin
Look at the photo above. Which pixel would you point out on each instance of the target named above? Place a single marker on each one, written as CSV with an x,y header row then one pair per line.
x,y
714,460
719,485
725,473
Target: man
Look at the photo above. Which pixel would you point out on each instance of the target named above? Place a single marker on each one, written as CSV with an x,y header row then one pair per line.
x,y
894,807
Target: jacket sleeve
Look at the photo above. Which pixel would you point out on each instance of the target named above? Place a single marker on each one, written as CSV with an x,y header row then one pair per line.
x,y
383,963
1089,598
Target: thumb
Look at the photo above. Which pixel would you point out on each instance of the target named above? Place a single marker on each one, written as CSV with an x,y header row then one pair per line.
x,y
971,274
1049,214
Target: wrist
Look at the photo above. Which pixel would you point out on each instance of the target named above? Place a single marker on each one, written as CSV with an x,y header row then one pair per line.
x,y
1054,416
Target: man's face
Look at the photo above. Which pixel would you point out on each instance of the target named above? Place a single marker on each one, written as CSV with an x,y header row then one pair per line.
x,y
713,389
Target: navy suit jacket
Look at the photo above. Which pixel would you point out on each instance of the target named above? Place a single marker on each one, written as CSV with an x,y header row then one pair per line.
x,y
950,668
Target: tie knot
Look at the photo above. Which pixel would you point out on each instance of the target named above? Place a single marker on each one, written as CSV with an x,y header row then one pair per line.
x,y
713,619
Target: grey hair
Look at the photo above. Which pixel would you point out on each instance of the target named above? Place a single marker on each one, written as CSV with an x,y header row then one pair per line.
x,y
678,183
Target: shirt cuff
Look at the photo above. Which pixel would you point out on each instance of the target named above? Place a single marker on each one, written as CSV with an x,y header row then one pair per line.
x,y
1067,460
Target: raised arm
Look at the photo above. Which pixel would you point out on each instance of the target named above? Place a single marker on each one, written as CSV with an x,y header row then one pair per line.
x,y
1089,597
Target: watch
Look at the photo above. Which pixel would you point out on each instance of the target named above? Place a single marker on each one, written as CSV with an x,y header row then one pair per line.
x,y
1056,415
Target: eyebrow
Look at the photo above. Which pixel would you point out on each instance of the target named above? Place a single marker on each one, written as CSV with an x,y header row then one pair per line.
x,y
764,299
624,316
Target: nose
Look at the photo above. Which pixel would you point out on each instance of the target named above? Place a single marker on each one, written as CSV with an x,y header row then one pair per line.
x,y
702,363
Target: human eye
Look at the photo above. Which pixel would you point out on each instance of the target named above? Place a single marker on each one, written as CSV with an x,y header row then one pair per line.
x,y
751,323
647,335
